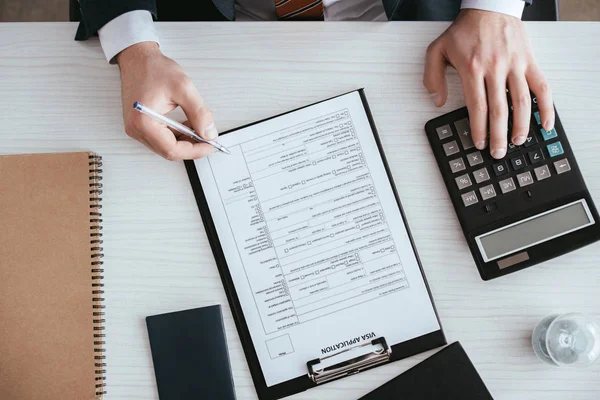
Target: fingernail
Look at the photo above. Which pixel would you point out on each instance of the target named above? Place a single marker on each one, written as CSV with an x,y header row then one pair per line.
x,y
437,99
519,140
548,125
481,145
499,153
211,132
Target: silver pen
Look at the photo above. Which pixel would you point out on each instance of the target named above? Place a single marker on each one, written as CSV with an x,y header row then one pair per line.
x,y
177,126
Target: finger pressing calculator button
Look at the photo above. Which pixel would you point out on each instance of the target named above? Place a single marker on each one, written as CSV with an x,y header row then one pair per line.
x,y
474,158
547,135
457,165
507,185
469,198
464,133
487,192
562,166
444,132
481,175
555,149
536,156
463,181
500,169
451,148
525,179
517,163
542,172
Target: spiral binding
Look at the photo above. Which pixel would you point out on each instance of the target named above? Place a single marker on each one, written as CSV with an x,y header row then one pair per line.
x,y
95,170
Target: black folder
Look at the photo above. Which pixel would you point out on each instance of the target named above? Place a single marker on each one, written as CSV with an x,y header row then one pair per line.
x,y
447,375
301,383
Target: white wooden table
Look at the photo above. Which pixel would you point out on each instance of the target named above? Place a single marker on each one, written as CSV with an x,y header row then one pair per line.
x,y
61,95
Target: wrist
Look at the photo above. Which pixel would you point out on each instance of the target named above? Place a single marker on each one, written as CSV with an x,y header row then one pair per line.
x,y
137,52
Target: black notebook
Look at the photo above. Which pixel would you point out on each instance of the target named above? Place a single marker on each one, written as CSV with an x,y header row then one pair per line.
x,y
189,351
447,375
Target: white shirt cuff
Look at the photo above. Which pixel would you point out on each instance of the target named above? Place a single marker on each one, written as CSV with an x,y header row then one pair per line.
x,y
509,7
126,30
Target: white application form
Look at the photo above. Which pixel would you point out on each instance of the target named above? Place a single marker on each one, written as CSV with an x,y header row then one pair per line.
x,y
313,237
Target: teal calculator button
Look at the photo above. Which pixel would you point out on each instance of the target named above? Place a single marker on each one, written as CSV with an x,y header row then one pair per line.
x,y
547,135
537,117
555,149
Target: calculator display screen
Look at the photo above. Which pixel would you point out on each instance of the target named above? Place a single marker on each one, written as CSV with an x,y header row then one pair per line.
x,y
534,230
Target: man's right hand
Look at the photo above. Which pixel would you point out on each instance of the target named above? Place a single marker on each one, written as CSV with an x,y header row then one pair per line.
x,y
157,81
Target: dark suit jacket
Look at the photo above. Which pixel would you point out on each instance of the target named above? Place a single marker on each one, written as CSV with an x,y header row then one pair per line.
x,y
96,13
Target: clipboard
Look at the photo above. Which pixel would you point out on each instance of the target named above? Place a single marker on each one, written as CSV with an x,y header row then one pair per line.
x,y
319,370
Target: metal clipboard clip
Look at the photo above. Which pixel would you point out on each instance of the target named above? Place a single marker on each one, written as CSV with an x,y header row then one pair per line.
x,y
324,369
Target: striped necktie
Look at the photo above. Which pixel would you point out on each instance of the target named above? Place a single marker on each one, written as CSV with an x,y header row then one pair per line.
x,y
307,10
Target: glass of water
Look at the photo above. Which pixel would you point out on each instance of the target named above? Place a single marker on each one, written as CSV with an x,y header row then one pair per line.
x,y
568,339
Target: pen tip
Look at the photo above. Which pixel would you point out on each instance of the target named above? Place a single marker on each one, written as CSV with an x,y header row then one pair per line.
x,y
136,105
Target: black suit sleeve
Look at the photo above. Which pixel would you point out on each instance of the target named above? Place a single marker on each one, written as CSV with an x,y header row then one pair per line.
x,y
96,13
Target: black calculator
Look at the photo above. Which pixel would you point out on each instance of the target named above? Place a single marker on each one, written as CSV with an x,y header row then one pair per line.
x,y
529,207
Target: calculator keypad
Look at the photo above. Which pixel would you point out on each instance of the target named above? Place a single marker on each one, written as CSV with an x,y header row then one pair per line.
x,y
542,173
517,163
500,169
464,133
525,179
457,165
463,181
507,185
547,135
444,132
451,148
535,156
555,149
469,198
474,158
562,166
479,177
487,192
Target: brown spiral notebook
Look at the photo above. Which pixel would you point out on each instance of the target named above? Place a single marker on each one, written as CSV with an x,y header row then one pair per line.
x,y
51,312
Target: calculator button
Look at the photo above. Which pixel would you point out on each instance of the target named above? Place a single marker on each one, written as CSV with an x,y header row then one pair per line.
x,y
537,117
517,163
463,181
536,156
490,207
444,132
469,198
542,172
481,175
525,179
451,148
562,166
531,140
547,135
464,133
500,169
555,149
507,185
457,165
474,158
512,147
487,192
